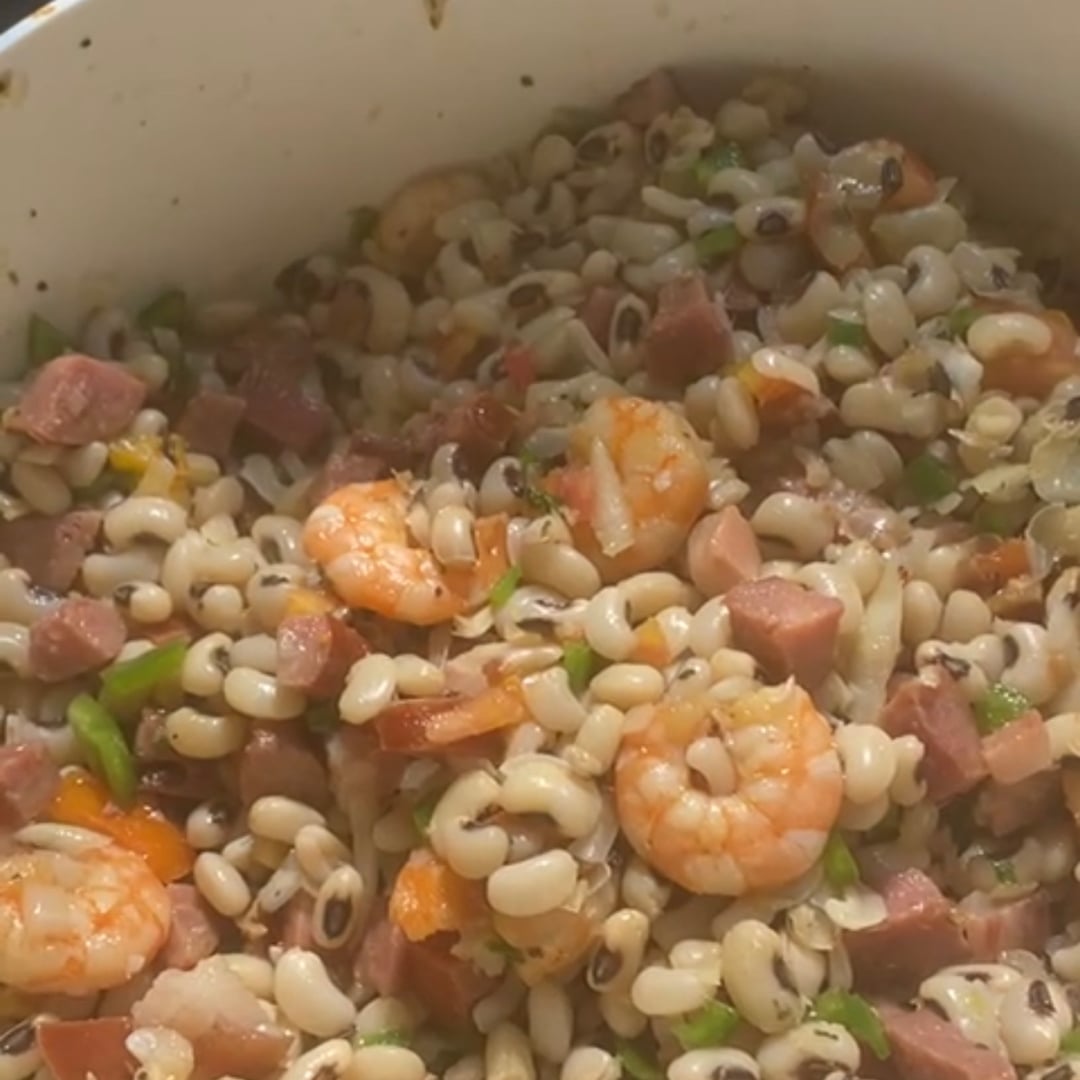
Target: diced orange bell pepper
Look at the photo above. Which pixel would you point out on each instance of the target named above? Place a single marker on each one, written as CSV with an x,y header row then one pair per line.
x,y
1018,372
650,645
987,571
776,399
428,898
452,351
83,800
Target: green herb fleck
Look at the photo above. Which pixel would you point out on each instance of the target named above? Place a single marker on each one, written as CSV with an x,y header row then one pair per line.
x,y
504,587
857,1015
362,222
717,243
1001,705
167,311
1070,1042
107,752
44,342
928,478
1004,871
841,869
390,1037
711,1025
541,500
843,331
636,1063
960,319
579,663
727,155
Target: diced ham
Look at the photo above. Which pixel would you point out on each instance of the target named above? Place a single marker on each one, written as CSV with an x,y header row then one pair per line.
x,y
282,403
1006,808
209,422
78,636
381,959
445,725
926,1047
722,552
446,985
788,629
77,1049
481,427
74,400
938,714
690,335
192,933
50,549
991,929
1018,750
919,935
229,1032
597,310
29,778
315,653
277,761
647,99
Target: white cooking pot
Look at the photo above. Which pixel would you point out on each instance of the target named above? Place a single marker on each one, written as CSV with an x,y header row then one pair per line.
x,y
207,142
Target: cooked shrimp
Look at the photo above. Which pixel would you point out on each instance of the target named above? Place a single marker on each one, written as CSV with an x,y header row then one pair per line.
x,y
637,483
359,535
771,792
76,922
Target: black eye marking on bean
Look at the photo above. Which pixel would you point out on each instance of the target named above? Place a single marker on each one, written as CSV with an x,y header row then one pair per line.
x,y
468,253
1062,1072
270,550
658,146
629,324
783,976
273,579
976,976
892,176
819,1069
199,590
543,203
605,965
956,667
1011,648
914,272
935,1007
828,146
336,917
593,149
939,380
219,657
18,1039
1072,409
1039,999
1000,278
772,223
122,594
218,813
722,201
40,595
530,294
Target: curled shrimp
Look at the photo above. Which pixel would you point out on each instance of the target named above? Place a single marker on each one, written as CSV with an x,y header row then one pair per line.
x,y
772,790
636,481
359,536
78,921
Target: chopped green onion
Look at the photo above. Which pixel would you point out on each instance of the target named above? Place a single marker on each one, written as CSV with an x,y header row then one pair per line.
x,y
711,1025
389,1037
503,948
1004,871
168,310
929,478
126,687
999,519
960,320
1070,1042
717,243
857,1015
841,331
43,341
362,224
322,719
1000,706
541,500
424,811
504,587
107,752
636,1063
841,869
579,663
727,155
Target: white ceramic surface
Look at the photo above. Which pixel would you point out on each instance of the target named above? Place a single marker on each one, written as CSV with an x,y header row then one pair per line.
x,y
206,142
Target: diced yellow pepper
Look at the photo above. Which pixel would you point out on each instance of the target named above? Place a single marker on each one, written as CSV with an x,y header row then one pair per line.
x,y
134,454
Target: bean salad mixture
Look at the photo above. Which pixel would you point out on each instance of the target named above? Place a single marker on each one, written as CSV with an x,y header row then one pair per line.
x,y
618,616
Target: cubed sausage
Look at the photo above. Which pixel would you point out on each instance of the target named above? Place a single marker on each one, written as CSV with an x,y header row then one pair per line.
x,y
446,985
722,552
926,1047
1018,750
788,629
51,549
29,778
919,935
193,935
938,714
76,1049
992,929
277,761
382,957
209,422
315,653
74,400
77,637
1007,808
481,427
690,335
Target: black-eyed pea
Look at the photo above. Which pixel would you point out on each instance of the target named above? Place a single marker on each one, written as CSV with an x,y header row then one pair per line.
x,y
869,762
103,574
338,906
719,1063
907,787
933,283
596,742
664,991
307,996
752,962
534,885
508,1054
550,1016
644,890
803,525
1030,664
221,884
1034,1015
280,887
922,608
710,628
161,1051
205,736
552,702
258,695
206,663
965,616
590,1063
472,849
954,659
277,817
617,957
329,1060
816,1045
889,322
207,826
